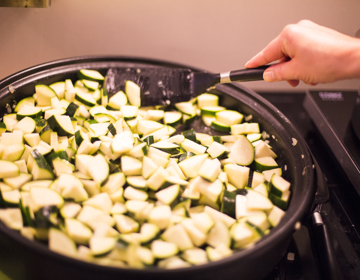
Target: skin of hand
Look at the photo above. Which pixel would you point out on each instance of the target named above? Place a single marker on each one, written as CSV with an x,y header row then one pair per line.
x,y
311,53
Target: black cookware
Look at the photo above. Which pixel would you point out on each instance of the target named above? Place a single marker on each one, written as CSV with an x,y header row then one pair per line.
x,y
24,259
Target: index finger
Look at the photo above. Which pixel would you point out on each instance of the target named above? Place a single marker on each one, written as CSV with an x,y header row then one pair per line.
x,y
272,52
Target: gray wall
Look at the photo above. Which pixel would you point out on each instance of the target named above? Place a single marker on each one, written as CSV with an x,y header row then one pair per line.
x,y
214,35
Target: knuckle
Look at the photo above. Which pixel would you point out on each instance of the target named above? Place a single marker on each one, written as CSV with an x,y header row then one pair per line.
x,y
290,29
305,22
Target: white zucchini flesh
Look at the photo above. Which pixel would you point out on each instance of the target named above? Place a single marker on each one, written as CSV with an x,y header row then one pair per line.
x,y
70,210
78,231
12,218
203,221
219,234
148,167
218,216
260,220
195,256
265,163
262,188
242,235
193,147
185,108
242,151
18,181
163,249
41,197
71,187
100,201
177,234
216,150
117,100
158,179
8,169
125,224
279,185
132,91
132,193
145,127
229,117
173,263
245,128
169,194
160,216
29,110
210,170
241,209
257,201
172,117
195,234
91,75
138,209
98,168
148,232
93,217
275,216
60,242
192,165
257,179
263,150
13,152
158,160
115,182
207,99
44,94
26,125
237,175
131,166
118,208
101,245
129,111
155,115
138,182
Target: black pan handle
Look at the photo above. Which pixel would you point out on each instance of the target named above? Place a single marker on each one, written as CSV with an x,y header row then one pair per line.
x,y
321,242
329,266
244,75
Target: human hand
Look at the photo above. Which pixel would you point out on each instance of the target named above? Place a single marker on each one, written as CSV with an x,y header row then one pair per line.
x,y
311,53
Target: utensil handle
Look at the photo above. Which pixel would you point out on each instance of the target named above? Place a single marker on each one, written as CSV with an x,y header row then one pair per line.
x,y
329,265
244,75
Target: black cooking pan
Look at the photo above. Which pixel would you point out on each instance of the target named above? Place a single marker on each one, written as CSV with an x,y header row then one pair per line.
x,y
24,259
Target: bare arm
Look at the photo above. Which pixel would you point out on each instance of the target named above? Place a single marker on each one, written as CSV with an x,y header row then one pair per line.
x,y
311,53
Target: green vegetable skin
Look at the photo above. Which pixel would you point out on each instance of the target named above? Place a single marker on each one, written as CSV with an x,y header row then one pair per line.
x,y
130,192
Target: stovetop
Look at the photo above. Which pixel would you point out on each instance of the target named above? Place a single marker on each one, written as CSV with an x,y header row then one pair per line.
x,y
324,124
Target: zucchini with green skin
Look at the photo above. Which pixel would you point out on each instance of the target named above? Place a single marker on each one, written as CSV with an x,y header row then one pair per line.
x,y
132,91
62,125
44,94
207,99
39,167
28,111
242,151
27,101
91,75
172,118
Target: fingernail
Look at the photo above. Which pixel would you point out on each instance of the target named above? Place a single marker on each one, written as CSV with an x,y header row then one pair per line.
x,y
269,76
247,63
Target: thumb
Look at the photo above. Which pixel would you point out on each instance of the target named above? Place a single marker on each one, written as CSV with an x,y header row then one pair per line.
x,y
279,72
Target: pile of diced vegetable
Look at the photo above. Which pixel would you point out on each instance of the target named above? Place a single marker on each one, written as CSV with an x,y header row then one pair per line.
x,y
103,179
